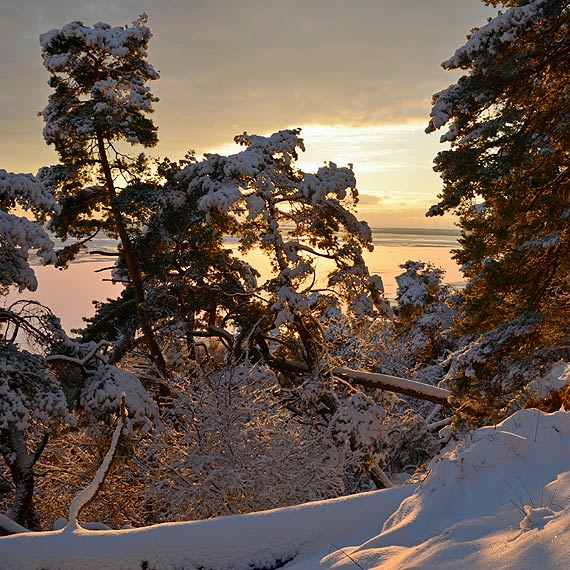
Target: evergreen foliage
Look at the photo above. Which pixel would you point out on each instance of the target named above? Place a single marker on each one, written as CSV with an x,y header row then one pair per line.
x,y
506,175
251,414
100,99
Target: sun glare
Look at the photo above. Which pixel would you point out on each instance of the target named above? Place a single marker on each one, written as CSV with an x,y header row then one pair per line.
x,y
392,164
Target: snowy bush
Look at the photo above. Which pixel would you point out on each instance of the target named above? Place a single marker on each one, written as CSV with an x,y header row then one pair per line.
x,y
229,446
102,391
27,390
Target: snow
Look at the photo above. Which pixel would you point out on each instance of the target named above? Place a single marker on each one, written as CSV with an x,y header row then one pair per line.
x,y
500,30
20,370
238,542
19,235
478,55
500,500
498,497
555,379
103,391
115,41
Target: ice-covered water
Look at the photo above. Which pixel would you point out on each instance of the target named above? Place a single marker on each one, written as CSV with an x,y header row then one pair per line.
x,y
70,293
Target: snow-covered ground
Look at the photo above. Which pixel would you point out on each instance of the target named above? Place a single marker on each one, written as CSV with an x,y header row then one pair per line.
x,y
499,499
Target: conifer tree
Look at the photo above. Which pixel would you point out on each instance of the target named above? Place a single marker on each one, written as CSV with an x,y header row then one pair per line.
x,y
100,100
507,176
425,313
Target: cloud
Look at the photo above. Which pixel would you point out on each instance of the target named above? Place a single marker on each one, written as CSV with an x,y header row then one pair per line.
x,y
369,200
254,65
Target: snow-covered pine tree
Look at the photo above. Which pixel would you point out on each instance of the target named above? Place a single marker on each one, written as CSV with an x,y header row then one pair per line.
x,y
198,287
20,236
100,99
41,383
425,313
507,176
262,198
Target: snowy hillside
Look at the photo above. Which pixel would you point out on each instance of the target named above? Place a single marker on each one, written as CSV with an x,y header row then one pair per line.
x,y
500,499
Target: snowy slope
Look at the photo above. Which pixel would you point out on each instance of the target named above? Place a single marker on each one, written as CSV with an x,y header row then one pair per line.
x,y
259,540
500,499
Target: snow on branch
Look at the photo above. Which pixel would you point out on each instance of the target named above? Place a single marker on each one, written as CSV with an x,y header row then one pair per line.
x,y
479,56
27,190
89,493
118,42
19,235
104,390
500,30
396,384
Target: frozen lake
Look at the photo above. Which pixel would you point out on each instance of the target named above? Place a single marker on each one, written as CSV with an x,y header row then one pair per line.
x,y
70,293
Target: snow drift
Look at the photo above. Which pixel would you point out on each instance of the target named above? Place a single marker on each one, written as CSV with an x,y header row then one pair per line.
x,y
497,499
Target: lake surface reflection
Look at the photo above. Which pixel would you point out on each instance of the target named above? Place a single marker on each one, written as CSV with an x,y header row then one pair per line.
x,y
70,293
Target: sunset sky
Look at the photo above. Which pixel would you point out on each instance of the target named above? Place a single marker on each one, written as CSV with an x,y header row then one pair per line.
x,y
357,76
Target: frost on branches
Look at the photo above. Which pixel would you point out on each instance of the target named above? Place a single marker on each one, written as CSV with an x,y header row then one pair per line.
x,y
20,236
231,447
252,414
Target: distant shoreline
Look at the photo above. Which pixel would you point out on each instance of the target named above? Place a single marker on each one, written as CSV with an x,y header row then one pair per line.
x,y
418,231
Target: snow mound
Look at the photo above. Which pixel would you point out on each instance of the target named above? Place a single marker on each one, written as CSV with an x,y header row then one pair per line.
x,y
258,541
499,499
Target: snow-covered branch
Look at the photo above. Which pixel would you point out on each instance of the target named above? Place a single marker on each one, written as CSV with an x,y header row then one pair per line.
x,y
396,384
89,493
19,235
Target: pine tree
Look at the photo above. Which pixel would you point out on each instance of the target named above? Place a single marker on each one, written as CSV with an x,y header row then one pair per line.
x,y
507,176
19,235
425,313
100,100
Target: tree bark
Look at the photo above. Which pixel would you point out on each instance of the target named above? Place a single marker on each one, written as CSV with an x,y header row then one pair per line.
x,y
378,476
21,465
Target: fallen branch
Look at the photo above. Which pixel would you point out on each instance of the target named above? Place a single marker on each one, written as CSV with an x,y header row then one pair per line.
x,y
374,380
89,493
395,384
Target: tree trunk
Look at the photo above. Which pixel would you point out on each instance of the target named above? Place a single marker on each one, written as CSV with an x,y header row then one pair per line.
x,y
377,475
21,465
132,264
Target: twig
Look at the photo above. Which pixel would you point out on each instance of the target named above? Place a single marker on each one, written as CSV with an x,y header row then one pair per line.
x,y
536,428
348,556
526,489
